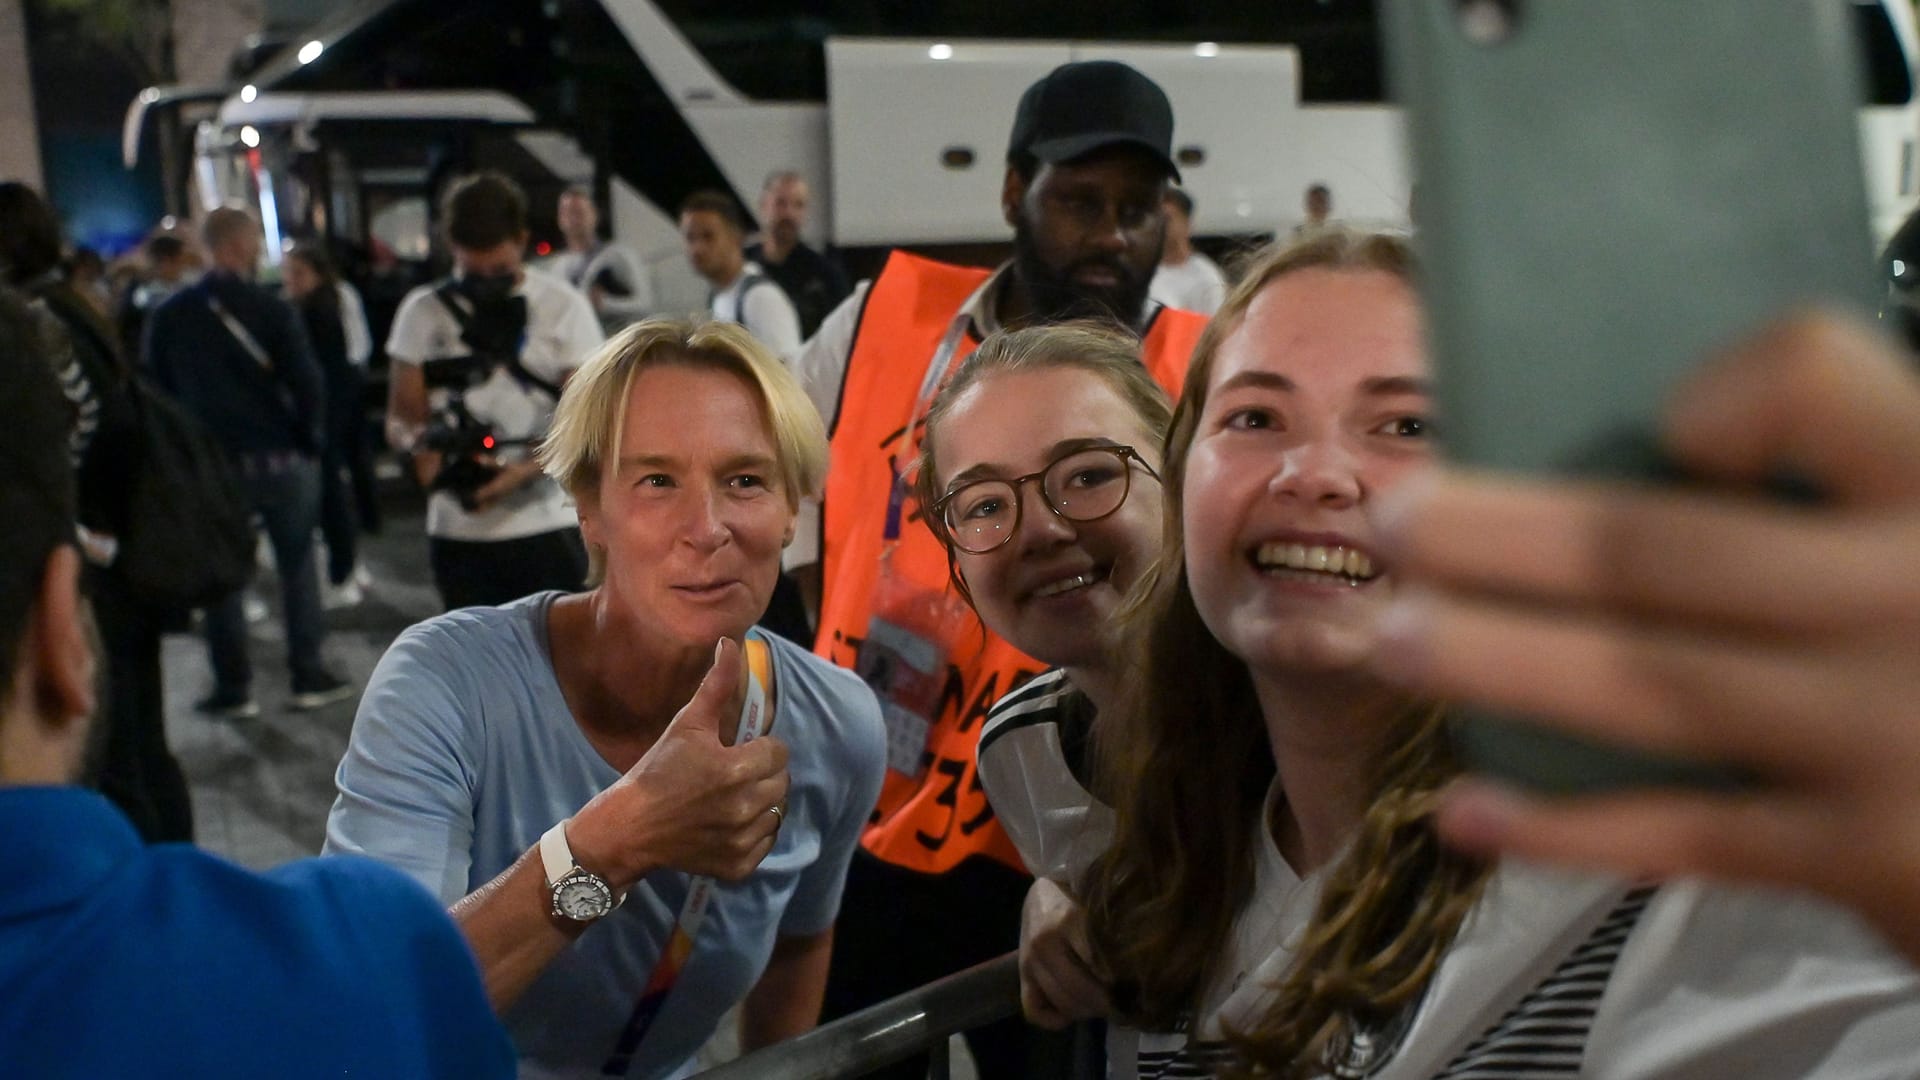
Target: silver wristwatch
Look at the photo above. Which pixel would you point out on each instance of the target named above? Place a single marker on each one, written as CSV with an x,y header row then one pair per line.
x,y
578,894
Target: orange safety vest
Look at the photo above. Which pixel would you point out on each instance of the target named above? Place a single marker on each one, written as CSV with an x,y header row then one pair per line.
x,y
929,823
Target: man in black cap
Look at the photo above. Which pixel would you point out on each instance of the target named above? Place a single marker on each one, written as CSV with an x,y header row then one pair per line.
x,y
937,885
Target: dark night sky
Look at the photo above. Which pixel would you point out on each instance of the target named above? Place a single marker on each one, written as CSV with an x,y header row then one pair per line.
x,y
80,93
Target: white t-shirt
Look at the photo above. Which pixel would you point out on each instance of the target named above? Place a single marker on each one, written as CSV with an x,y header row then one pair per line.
x,y
1031,756
1194,285
582,269
561,333
758,303
353,322
1557,973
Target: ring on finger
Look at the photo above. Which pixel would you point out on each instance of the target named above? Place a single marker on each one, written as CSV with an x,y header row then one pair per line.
x,y
779,814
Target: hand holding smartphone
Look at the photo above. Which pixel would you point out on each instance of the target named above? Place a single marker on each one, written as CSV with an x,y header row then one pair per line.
x,y
1610,191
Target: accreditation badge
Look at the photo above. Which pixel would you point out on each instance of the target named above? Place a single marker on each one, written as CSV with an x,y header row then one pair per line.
x,y
904,659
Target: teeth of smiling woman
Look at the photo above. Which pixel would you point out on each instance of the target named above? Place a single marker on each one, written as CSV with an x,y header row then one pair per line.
x,y
1058,587
1345,562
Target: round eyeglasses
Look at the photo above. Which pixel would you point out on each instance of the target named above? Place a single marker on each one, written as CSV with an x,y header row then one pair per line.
x,y
1082,485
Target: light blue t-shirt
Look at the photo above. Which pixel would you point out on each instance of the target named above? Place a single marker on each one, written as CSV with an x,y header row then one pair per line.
x,y
464,752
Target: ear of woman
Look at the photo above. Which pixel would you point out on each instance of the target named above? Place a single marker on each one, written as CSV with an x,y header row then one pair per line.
x,y
44,726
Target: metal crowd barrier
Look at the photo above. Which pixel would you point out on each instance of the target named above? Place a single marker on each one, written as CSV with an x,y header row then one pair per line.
x,y
917,1021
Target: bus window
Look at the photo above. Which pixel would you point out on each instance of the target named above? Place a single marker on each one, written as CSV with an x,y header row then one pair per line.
x,y
399,221
1889,78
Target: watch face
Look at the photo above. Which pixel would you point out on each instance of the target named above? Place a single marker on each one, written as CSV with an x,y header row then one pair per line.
x,y
581,896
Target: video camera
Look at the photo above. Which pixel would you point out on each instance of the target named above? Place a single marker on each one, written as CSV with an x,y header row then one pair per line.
x,y
466,445
492,325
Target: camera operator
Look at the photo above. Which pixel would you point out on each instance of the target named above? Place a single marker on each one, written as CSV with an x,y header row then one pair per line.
x,y
478,363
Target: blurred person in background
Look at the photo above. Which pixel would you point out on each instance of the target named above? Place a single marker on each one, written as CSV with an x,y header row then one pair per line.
x,y
136,769
713,228
1186,279
813,281
237,357
502,338
165,272
614,281
86,272
346,463
353,316
1317,204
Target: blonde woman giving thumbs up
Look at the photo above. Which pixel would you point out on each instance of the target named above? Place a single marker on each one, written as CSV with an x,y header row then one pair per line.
x,y
639,808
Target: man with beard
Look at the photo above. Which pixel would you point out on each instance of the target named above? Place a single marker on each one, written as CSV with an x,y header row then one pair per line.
x,y
937,885
814,282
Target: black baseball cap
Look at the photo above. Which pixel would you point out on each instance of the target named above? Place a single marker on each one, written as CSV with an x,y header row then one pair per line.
x,y
1090,105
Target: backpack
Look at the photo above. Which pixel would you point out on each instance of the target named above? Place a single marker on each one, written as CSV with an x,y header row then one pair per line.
x,y
752,282
186,537
189,539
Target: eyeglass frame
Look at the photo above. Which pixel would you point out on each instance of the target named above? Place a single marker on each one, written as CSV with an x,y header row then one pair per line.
x,y
936,514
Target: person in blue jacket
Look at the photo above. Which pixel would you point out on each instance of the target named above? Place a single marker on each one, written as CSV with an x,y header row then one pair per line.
x,y
118,959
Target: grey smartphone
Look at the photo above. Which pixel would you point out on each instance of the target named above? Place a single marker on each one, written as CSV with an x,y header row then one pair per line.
x,y
1608,190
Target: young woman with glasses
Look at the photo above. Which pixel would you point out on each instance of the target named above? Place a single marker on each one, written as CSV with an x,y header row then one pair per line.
x,y
1276,900
1039,470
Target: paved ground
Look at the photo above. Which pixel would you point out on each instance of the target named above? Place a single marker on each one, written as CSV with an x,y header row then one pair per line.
x,y
262,788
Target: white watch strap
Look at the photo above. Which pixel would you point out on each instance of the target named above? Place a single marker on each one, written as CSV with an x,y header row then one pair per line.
x,y
555,855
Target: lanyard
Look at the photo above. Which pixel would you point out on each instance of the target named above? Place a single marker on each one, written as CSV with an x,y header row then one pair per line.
x,y
754,722
939,368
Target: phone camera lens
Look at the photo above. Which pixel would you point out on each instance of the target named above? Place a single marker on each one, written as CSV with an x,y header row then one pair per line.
x,y
1487,22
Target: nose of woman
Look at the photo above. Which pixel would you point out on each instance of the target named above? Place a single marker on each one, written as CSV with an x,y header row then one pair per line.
x,y
1040,527
705,526
1322,472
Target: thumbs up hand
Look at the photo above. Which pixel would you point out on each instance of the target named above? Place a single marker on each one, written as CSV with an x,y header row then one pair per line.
x,y
692,802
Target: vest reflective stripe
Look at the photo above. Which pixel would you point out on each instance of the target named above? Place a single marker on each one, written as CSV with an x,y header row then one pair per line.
x,y
934,822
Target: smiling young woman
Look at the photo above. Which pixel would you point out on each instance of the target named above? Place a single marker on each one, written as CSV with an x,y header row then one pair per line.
x,y
1040,474
1276,899
1307,398
1038,471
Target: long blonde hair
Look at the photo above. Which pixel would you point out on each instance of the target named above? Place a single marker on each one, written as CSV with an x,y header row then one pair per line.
x,y
1185,762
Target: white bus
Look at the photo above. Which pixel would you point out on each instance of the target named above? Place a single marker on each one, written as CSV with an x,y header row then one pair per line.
x,y
897,117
